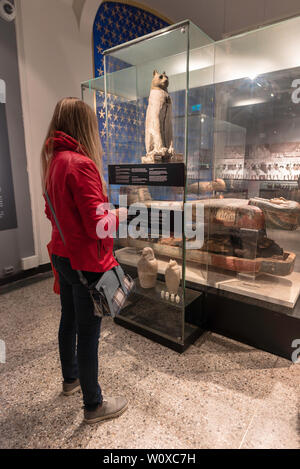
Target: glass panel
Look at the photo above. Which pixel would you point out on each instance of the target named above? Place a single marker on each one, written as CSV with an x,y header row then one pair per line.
x,y
129,79
257,155
200,170
127,83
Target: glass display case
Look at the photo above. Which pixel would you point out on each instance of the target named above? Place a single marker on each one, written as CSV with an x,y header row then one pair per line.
x,y
146,151
202,144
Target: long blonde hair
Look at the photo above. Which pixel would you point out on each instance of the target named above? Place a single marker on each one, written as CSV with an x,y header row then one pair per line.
x,y
78,120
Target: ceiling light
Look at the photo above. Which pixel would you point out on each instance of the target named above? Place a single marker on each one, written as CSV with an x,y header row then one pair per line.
x,y
252,76
249,102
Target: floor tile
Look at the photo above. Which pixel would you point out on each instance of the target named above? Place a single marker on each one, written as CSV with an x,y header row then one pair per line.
x,y
218,394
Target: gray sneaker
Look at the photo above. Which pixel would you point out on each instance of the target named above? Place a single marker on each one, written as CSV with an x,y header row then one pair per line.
x,y
111,408
71,388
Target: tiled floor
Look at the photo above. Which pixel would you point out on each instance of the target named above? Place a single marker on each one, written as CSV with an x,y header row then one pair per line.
x,y
218,394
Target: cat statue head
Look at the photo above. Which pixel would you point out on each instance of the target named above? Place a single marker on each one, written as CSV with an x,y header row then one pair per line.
x,y
148,254
160,80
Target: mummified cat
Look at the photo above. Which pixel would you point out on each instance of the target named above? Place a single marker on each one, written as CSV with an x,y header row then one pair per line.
x,y
159,132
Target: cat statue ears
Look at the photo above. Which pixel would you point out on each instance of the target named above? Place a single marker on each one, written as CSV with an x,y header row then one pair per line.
x,y
155,72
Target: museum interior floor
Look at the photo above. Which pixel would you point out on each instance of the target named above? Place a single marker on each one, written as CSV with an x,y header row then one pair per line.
x,y
218,394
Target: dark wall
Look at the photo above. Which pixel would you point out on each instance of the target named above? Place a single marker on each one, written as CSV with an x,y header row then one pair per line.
x,y
17,243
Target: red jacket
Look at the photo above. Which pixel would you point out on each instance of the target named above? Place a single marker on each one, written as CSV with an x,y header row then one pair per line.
x,y
75,191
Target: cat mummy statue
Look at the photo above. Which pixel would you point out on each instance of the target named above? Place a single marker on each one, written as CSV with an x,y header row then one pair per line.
x,y
159,131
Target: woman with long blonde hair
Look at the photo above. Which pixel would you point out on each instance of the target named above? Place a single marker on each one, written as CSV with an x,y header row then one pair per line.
x,y
72,177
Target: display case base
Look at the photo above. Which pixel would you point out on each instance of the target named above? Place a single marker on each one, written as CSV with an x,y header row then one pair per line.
x,y
180,348
253,324
162,320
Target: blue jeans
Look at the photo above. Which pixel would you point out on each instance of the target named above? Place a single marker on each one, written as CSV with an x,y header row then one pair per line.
x,y
78,321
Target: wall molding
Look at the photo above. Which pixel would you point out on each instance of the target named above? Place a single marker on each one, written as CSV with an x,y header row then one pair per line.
x,y
27,127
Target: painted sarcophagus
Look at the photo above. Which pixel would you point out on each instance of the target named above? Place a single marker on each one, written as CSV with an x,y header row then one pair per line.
x,y
281,265
235,235
279,213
